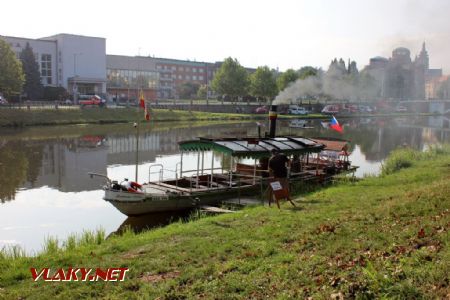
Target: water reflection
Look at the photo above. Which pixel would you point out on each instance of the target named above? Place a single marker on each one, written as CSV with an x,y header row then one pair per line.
x,y
63,162
45,170
153,220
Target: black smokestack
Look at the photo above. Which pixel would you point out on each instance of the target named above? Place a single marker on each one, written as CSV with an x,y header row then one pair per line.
x,y
273,120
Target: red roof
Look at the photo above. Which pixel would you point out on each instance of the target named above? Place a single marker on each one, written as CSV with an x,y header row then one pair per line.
x,y
333,145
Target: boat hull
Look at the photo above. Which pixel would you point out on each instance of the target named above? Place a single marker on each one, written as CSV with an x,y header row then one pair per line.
x,y
132,204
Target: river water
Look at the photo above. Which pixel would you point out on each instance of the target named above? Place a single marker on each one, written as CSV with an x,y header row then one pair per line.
x,y
45,190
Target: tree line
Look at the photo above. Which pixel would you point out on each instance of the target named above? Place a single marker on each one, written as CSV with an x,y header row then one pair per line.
x,y
21,77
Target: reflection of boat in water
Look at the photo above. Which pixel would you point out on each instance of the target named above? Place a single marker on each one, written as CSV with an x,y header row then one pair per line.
x,y
91,141
153,220
299,123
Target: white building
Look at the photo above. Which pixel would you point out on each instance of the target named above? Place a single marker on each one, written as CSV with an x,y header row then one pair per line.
x,y
77,63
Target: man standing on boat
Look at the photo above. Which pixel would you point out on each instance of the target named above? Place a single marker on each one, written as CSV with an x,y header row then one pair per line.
x,y
278,164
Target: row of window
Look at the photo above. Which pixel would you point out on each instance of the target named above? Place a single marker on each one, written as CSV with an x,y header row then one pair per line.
x,y
181,69
186,77
132,79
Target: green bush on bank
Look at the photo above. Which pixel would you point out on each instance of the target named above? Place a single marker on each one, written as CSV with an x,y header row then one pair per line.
x,y
402,158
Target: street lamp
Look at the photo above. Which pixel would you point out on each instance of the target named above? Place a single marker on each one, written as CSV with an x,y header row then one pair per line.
x,y
75,87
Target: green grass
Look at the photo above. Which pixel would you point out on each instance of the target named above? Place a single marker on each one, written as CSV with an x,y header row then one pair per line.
x,y
92,115
381,237
22,117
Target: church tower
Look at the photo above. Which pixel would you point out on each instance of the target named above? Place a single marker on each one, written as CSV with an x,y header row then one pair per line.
x,y
423,58
421,66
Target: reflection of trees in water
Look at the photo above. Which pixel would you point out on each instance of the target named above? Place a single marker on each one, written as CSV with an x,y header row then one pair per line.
x,y
376,137
20,162
34,155
13,170
377,140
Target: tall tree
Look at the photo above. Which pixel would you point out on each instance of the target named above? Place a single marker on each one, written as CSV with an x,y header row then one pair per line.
x,y
263,84
231,79
11,74
286,78
33,86
187,90
202,90
307,71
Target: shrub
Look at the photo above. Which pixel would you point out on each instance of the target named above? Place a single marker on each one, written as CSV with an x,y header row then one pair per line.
x,y
399,159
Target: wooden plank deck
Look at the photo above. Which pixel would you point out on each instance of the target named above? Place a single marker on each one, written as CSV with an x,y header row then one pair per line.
x,y
217,210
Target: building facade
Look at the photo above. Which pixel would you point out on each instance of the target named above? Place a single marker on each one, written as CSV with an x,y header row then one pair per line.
x,y
77,63
127,76
80,65
400,77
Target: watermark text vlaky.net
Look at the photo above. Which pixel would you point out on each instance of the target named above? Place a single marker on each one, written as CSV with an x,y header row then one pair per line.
x,y
79,274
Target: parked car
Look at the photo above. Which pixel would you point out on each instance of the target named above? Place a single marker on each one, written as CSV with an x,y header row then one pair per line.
x,y
3,101
330,109
297,110
261,110
401,108
349,108
92,101
366,109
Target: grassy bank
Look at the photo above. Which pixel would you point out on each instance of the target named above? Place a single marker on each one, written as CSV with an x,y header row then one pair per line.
x,y
22,117
381,237
73,116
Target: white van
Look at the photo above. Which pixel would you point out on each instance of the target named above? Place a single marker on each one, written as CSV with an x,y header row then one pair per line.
x,y
297,110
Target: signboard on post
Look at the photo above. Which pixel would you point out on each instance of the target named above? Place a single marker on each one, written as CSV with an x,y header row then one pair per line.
x,y
278,192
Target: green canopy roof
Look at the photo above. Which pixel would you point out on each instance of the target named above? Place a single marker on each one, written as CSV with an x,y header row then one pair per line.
x,y
253,147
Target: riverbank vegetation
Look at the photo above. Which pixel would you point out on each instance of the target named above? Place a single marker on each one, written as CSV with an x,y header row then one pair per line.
x,y
41,117
77,116
21,117
380,237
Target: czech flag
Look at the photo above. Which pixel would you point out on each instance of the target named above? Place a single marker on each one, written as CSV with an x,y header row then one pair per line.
x,y
334,124
146,113
141,99
143,104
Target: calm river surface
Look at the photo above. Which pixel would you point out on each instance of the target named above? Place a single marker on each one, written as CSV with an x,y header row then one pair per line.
x,y
45,190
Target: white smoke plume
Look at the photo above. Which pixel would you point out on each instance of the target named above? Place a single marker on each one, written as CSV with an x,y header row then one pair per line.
x,y
326,85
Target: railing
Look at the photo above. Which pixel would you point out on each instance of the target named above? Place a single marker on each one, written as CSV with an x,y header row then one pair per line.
x,y
231,179
160,171
108,181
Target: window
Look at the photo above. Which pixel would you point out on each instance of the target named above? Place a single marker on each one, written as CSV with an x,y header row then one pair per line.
x,y
200,77
194,77
46,68
158,67
174,76
201,70
194,70
188,77
180,69
180,77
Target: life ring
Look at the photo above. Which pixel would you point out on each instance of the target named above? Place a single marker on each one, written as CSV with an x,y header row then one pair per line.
x,y
134,187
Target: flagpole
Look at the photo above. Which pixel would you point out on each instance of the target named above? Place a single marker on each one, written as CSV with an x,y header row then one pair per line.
x,y
137,150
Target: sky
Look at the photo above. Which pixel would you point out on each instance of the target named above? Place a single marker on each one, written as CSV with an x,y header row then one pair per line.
x,y
281,34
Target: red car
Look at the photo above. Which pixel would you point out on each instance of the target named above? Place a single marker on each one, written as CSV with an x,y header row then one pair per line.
x,y
261,110
93,101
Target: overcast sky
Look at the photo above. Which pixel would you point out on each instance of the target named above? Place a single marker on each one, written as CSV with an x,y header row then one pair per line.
x,y
283,33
